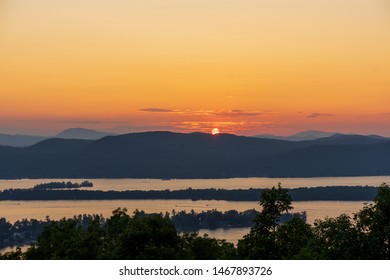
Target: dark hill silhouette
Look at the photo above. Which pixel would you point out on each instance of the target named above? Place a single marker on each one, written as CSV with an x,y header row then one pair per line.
x,y
331,160
57,145
196,155
7,150
169,143
349,139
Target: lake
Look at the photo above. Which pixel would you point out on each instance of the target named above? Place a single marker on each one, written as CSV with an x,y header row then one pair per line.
x,y
17,210
233,183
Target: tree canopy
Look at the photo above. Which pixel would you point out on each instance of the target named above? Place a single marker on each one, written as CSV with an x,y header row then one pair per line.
x,y
366,235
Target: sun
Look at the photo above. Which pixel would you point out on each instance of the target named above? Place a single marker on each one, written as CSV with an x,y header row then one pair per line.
x,y
215,131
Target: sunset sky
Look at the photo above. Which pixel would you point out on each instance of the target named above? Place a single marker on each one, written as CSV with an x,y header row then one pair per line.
x,y
245,66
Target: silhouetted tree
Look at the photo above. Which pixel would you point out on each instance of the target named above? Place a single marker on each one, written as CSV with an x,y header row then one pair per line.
x,y
293,237
14,255
206,248
261,241
374,222
67,239
154,236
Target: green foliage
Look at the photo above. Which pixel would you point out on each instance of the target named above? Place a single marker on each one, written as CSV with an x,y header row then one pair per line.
x,y
374,222
293,237
206,248
366,236
144,236
141,236
67,239
14,255
262,242
337,239
275,201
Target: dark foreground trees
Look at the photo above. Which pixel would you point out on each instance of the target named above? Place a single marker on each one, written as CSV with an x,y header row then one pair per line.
x,y
140,236
269,239
143,236
365,236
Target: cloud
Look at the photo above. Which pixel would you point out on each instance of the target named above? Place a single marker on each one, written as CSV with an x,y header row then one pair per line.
x,y
318,115
225,127
90,122
239,113
231,113
156,110
179,112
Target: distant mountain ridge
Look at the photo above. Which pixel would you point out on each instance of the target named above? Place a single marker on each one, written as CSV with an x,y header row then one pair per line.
x,y
197,155
19,140
82,133
300,136
314,135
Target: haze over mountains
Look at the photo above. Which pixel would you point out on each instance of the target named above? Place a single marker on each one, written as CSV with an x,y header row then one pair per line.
x,y
82,133
20,140
311,135
197,155
300,136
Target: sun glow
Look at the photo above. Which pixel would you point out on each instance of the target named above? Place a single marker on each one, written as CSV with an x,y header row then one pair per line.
x,y
215,131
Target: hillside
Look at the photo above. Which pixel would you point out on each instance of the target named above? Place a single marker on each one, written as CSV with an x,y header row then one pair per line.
x,y
196,155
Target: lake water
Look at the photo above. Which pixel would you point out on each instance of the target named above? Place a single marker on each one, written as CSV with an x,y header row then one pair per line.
x,y
17,210
234,183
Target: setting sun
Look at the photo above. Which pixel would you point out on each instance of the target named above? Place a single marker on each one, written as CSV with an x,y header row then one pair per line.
x,y
215,131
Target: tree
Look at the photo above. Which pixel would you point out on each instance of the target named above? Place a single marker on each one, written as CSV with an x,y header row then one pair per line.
x,y
293,238
14,255
336,239
374,222
205,248
275,202
261,241
365,236
142,236
67,239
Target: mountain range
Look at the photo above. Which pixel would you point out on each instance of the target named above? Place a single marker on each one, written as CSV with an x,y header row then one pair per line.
x,y
300,136
197,155
20,140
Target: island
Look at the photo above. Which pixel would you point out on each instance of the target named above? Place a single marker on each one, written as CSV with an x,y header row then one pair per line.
x,y
63,185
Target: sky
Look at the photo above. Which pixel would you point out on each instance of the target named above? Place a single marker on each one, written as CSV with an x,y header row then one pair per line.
x,y
244,66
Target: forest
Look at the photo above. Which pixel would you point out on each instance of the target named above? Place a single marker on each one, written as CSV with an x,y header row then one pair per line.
x,y
26,232
63,185
366,235
345,193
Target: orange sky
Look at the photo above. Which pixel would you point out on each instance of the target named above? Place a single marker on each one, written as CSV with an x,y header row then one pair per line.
x,y
245,66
